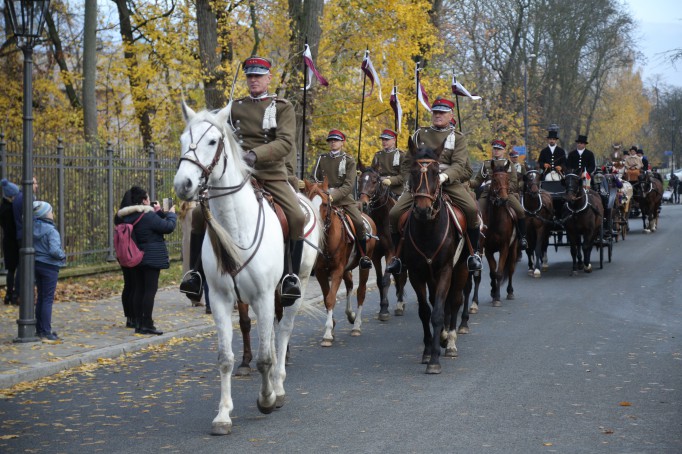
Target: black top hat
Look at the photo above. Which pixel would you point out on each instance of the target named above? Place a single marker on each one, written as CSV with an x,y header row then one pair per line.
x,y
582,139
552,134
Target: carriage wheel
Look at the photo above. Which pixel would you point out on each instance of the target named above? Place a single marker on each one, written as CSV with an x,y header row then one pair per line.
x,y
611,246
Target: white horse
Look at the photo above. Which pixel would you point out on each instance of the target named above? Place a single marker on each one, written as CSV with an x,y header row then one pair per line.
x,y
242,253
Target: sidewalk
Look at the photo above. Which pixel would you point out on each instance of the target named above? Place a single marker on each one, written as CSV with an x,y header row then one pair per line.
x,y
96,330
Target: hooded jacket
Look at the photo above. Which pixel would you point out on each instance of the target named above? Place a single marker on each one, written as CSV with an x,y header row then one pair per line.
x,y
47,243
148,233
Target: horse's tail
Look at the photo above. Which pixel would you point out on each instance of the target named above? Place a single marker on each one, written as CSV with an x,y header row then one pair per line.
x,y
227,256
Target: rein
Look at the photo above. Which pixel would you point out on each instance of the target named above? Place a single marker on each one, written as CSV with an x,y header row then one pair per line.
x,y
429,260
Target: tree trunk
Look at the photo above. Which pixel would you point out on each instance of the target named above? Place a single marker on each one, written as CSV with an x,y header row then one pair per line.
x,y
59,57
213,75
90,71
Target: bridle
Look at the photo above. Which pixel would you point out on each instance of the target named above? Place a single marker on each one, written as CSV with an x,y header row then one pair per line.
x,y
381,194
580,193
423,188
532,188
495,191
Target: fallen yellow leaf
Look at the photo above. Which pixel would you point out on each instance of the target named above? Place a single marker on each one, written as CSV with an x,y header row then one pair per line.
x,y
625,404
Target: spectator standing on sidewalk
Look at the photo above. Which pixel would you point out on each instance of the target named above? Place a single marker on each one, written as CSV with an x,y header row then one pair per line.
x,y
10,245
128,287
148,233
48,259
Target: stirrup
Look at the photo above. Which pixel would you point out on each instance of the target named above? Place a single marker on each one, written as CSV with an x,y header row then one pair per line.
x,y
474,262
192,285
395,267
291,290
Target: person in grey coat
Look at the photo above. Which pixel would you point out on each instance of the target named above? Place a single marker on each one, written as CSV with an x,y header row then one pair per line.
x,y
148,236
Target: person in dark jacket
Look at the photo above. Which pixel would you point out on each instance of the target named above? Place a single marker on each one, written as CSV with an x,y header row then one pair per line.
x,y
48,259
148,235
581,160
18,211
128,289
10,245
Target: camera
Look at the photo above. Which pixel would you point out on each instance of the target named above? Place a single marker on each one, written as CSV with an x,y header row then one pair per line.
x,y
167,203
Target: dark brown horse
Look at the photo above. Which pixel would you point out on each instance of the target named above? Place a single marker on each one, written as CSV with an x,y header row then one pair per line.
x,y
648,193
337,261
432,254
582,217
377,201
539,214
500,235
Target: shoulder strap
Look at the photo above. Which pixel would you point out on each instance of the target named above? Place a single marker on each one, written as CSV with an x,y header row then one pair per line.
x,y
138,219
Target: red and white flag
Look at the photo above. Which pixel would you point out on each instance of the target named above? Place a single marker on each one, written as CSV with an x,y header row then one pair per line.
x,y
395,105
459,89
368,69
308,59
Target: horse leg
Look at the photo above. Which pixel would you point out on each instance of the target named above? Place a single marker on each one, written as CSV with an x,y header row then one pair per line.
x,y
424,316
348,281
283,329
574,253
494,287
466,292
265,314
362,290
474,301
400,280
384,283
222,424
329,293
244,368
437,320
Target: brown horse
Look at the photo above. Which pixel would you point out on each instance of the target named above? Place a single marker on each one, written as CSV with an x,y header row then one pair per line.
x,y
500,235
337,260
377,201
432,254
582,217
539,214
648,193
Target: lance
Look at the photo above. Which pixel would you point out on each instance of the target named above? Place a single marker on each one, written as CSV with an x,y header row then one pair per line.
x,y
395,90
305,91
362,111
459,119
416,107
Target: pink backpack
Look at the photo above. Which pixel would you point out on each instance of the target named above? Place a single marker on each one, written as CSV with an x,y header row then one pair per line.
x,y
127,252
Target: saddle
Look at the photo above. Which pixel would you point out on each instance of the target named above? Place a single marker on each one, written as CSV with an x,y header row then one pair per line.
x,y
262,193
348,226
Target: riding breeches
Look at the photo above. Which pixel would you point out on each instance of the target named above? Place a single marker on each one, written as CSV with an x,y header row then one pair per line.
x,y
284,194
459,195
513,202
356,218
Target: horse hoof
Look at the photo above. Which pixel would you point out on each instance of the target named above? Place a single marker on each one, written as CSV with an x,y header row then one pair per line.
x,y
243,371
574,273
537,274
221,428
588,268
426,359
451,352
355,333
399,312
279,401
473,309
580,266
266,410
433,369
647,231
463,330
530,272
326,343
497,303
545,267
384,316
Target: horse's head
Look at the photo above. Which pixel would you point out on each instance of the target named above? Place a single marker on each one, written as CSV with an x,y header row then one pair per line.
x,y
531,182
574,186
318,193
424,181
499,184
208,148
369,187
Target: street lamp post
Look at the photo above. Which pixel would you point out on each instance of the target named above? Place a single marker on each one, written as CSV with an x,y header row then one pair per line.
x,y
27,18
525,105
673,118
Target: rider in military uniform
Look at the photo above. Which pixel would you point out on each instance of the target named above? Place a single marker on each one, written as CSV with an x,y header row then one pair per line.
x,y
388,161
581,160
265,127
552,157
483,178
521,168
340,170
455,172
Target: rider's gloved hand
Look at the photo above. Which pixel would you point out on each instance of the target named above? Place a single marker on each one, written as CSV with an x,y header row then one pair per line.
x,y
249,158
558,168
547,166
443,177
386,181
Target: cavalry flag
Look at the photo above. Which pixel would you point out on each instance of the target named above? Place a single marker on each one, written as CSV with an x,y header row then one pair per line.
x,y
368,69
308,59
395,105
459,89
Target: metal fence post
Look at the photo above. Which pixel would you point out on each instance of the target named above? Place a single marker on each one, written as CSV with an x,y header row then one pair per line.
x,y
60,188
152,172
110,189
3,155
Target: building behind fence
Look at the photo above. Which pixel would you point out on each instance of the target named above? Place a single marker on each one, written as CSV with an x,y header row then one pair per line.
x,y
85,184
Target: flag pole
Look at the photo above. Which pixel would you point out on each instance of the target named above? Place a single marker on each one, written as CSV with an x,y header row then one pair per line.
x,y
416,107
305,91
362,111
459,119
395,89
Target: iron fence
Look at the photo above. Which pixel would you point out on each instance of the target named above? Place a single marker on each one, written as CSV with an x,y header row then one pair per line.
x,y
85,184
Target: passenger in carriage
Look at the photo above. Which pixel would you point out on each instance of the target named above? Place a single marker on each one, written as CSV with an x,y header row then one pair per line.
x,y
387,162
339,168
645,161
581,160
483,178
552,157
455,173
633,165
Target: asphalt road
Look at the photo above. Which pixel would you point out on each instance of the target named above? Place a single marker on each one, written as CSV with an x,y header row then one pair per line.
x,y
591,363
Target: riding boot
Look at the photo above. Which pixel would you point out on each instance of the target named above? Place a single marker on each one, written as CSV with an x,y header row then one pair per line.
x,y
395,266
521,223
291,284
365,262
191,284
474,261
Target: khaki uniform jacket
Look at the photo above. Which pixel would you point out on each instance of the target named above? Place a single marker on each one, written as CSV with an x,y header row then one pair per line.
x,y
340,186
383,162
272,146
484,176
